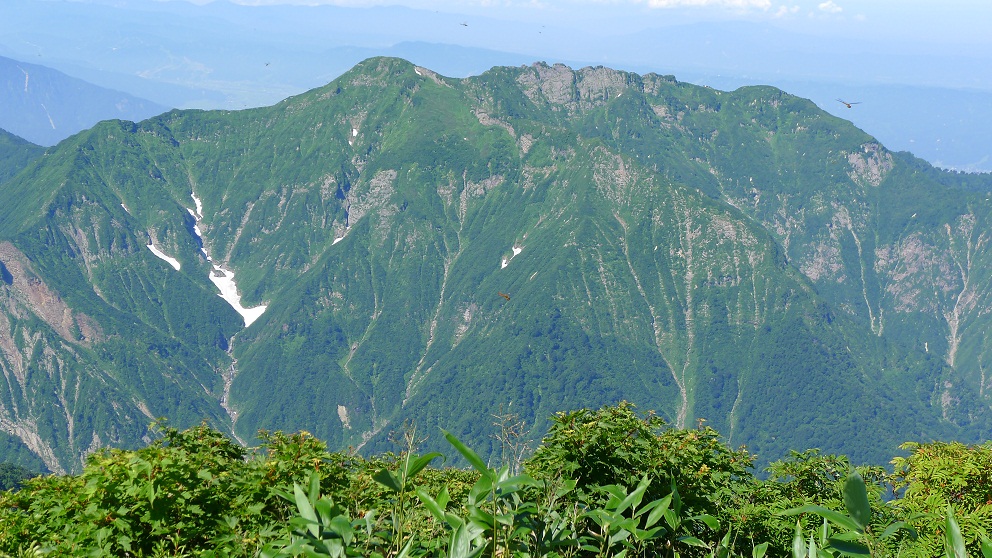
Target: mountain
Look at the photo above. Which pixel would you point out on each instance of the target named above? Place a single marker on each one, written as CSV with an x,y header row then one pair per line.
x,y
920,96
46,106
15,154
740,257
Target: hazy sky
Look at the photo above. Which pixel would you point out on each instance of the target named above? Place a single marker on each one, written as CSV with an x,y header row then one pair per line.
x,y
926,22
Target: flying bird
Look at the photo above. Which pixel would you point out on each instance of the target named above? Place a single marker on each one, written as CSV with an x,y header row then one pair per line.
x,y
464,24
846,104
504,295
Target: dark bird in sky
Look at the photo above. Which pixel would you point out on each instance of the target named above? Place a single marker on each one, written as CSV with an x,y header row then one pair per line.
x,y
846,104
504,295
464,24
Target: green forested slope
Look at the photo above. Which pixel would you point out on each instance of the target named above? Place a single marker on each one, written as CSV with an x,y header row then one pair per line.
x,y
15,154
738,257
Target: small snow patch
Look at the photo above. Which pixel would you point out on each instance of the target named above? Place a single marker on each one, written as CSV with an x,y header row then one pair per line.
x,y
343,415
506,261
354,132
172,261
417,70
126,210
336,240
199,205
224,279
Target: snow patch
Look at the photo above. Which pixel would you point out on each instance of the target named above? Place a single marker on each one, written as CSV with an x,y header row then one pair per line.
x,y
417,70
354,132
516,250
336,240
199,205
126,210
172,261
224,279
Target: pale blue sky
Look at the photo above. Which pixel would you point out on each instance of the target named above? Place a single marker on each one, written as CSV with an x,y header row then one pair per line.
x,y
923,21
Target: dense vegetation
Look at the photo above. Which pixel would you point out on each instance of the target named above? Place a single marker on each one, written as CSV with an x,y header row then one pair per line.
x,y
15,154
609,482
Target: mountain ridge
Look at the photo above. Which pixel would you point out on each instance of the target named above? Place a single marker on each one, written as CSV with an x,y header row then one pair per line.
x,y
694,251
45,106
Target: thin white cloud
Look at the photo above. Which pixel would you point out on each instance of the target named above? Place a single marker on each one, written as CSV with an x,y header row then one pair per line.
x,y
785,11
760,4
830,7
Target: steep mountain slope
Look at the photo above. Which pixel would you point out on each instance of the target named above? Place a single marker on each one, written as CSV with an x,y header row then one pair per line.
x,y
46,106
696,252
15,154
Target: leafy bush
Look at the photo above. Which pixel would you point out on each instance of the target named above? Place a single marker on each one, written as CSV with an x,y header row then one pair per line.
x,y
608,482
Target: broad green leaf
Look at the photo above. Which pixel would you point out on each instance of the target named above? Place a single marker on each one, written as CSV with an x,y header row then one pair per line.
x,y
470,455
513,484
848,547
431,505
894,528
759,550
648,534
856,500
634,498
567,486
798,545
710,521
620,535
314,492
480,490
693,541
386,478
443,497
660,507
305,509
986,548
834,517
461,544
481,517
723,549
406,550
417,464
341,526
953,541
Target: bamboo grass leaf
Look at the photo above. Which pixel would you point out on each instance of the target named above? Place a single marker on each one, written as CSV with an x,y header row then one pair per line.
x,y
953,541
856,500
470,455
834,517
417,464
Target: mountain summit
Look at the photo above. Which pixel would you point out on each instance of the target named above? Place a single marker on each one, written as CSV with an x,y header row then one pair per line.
x,y
398,245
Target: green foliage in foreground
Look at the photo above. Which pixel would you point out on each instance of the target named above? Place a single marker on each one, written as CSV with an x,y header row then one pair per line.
x,y
609,482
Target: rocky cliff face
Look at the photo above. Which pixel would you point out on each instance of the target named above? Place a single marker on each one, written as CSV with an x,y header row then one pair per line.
x,y
537,238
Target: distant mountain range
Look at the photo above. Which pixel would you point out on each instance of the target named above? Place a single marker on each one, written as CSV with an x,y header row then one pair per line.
x,y
45,106
741,257
916,96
